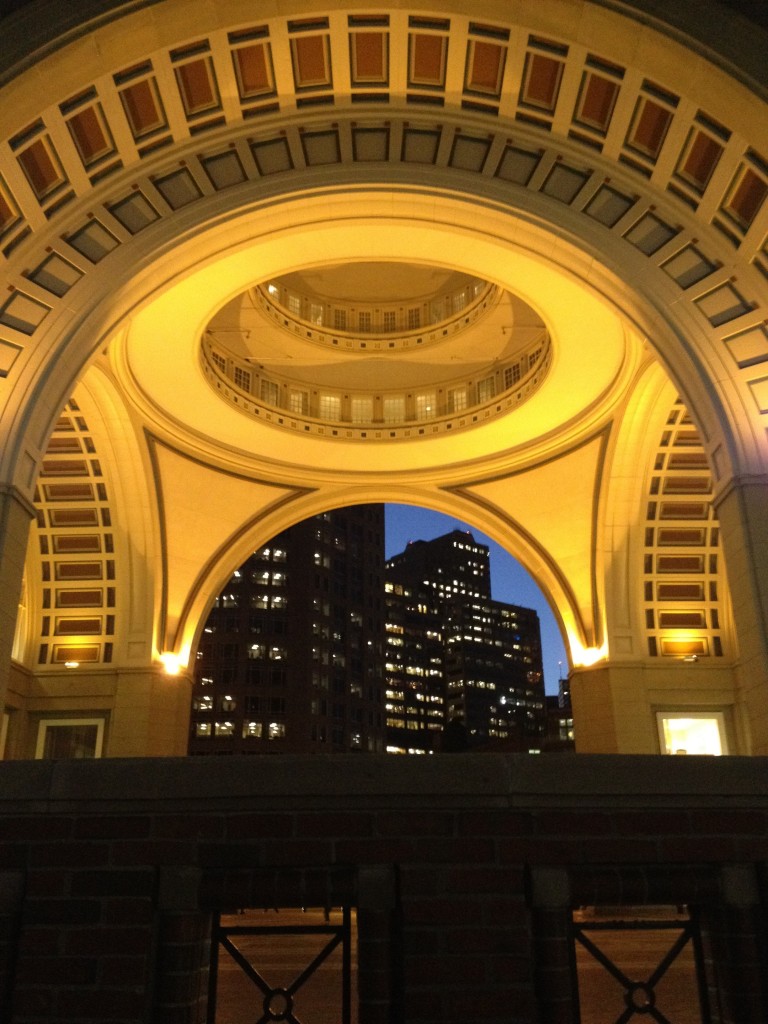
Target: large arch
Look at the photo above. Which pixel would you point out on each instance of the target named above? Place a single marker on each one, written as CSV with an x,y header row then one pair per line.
x,y
606,168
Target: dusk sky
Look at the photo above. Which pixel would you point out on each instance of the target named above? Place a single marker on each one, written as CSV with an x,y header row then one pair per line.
x,y
510,582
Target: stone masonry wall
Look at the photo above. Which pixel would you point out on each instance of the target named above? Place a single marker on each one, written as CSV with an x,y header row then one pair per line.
x,y
463,869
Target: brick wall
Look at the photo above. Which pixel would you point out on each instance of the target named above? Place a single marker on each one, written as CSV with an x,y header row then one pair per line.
x,y
463,870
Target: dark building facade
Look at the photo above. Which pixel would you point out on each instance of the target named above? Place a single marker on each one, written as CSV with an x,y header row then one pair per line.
x,y
453,650
414,670
290,657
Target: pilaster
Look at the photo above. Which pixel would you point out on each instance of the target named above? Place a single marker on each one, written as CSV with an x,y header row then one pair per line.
x,y
742,509
16,513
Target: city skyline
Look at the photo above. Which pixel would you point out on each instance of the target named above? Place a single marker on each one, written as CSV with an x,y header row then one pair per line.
x,y
510,581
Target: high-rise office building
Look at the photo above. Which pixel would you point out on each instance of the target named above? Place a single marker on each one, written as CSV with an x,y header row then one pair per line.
x,y
290,657
414,669
453,651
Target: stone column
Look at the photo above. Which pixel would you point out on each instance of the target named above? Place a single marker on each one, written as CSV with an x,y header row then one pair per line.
x,y
742,508
150,714
16,513
555,969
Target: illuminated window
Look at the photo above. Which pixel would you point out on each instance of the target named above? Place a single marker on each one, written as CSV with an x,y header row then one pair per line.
x,y
298,402
330,407
692,732
426,406
394,409
362,410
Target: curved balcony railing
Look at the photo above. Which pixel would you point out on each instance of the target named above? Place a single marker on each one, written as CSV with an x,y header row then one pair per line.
x,y
376,326
454,404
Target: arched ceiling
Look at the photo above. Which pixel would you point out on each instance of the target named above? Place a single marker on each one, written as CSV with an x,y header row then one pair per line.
x,y
609,176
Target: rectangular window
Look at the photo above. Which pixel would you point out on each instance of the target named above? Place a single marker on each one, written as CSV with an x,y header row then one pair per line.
x,y
70,738
394,410
512,375
426,406
485,390
330,407
298,402
457,399
689,732
362,410
269,392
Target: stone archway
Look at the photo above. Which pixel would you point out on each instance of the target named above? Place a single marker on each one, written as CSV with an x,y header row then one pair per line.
x,y
97,240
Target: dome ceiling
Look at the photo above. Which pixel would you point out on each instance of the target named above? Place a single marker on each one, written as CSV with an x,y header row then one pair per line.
x,y
376,329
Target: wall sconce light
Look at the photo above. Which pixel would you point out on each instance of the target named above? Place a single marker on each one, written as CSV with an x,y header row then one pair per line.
x,y
585,657
171,663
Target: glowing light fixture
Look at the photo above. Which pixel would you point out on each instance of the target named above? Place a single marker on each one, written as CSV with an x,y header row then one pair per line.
x,y
171,663
587,656
71,664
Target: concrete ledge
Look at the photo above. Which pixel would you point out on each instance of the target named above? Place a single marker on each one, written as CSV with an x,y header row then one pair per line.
x,y
449,779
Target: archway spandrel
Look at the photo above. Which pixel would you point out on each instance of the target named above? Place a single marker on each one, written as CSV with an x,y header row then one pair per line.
x,y
553,508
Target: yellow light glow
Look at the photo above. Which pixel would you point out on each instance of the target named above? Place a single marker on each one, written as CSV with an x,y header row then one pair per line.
x,y
586,656
172,663
71,664
692,734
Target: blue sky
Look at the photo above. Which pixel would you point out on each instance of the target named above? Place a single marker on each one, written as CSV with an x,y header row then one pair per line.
x,y
510,582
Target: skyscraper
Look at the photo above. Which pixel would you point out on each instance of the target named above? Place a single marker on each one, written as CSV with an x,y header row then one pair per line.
x,y
451,648
414,669
290,657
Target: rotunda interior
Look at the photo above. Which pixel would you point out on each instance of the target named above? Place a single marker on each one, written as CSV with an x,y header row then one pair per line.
x,y
506,268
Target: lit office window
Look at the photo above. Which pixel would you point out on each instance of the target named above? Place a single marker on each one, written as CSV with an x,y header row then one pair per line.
x,y
692,733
